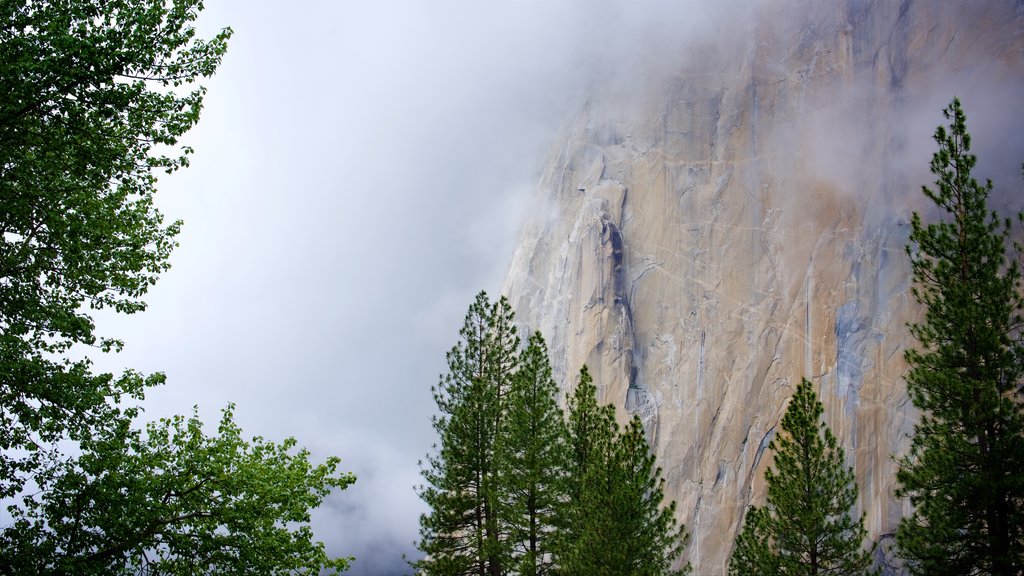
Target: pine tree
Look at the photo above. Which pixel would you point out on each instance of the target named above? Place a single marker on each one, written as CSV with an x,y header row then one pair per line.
x,y
650,538
591,435
807,527
532,461
461,532
753,554
615,524
963,473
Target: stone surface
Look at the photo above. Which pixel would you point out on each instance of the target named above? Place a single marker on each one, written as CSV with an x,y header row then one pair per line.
x,y
705,238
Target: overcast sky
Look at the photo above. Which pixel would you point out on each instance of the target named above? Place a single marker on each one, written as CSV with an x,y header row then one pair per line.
x,y
361,171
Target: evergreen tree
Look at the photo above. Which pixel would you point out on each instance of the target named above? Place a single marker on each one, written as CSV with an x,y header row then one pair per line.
x,y
650,538
806,528
461,532
591,434
753,554
532,461
615,524
963,473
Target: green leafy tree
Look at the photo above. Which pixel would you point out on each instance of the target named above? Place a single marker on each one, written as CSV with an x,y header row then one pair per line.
x,y
614,522
94,95
532,461
963,473
462,531
177,501
806,527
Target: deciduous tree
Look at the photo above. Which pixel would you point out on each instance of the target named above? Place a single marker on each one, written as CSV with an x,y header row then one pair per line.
x,y
963,473
174,500
94,95
93,98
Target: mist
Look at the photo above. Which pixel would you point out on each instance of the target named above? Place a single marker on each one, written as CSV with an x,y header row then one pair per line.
x,y
362,169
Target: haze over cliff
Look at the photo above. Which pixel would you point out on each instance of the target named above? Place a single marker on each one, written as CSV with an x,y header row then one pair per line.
x,y
733,216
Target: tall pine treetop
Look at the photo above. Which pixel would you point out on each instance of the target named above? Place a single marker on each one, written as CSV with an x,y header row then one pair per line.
x,y
807,526
532,462
963,473
461,534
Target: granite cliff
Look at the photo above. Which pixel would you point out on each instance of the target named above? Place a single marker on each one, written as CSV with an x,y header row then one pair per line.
x,y
703,237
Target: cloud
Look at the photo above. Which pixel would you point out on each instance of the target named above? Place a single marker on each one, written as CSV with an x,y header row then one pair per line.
x,y
361,170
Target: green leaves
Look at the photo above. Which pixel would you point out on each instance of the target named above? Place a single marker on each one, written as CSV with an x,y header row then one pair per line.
x,y
175,500
94,95
83,121
962,473
807,525
87,112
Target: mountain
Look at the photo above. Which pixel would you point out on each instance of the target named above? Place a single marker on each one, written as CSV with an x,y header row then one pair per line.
x,y
707,232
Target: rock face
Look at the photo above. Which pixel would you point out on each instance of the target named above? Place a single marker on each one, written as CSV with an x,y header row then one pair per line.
x,y
705,238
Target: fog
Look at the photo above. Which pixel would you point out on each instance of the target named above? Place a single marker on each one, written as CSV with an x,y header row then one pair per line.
x,y
361,171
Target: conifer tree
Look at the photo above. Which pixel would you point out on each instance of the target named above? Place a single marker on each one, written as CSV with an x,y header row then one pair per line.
x,y
806,527
532,461
615,522
650,538
591,434
461,532
963,473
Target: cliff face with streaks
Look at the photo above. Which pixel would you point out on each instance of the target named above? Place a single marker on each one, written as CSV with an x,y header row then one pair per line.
x,y
703,239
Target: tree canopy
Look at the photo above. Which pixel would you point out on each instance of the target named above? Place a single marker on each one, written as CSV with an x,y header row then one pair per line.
x,y
94,95
615,521
93,98
518,487
807,525
532,462
461,533
963,473
175,500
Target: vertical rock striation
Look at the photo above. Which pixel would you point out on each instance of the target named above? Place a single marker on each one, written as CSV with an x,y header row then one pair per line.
x,y
704,239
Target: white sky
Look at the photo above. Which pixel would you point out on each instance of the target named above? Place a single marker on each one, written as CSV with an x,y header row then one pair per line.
x,y
361,171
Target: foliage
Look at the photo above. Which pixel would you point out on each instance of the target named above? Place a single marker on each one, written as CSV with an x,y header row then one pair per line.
x,y
753,554
90,104
461,532
518,487
806,527
94,95
614,523
176,501
650,539
963,471
591,435
532,461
